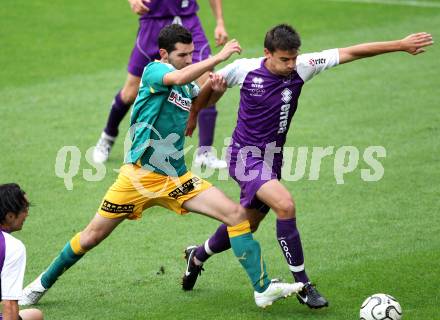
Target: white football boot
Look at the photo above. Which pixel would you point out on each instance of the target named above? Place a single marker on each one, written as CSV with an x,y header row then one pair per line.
x,y
32,293
103,148
276,290
208,159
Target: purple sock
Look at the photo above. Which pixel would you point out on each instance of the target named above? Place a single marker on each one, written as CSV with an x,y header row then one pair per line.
x,y
218,242
117,113
290,242
206,122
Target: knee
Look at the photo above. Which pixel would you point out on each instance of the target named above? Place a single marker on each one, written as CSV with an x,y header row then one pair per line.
x,y
236,216
129,93
285,209
90,239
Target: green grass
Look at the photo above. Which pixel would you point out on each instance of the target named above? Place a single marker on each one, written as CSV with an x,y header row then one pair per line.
x,y
61,64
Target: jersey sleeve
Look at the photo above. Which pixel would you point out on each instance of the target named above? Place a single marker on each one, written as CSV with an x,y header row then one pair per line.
x,y
235,72
310,64
153,77
13,270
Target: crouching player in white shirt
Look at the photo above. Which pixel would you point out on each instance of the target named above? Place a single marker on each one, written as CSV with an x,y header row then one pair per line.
x,y
13,212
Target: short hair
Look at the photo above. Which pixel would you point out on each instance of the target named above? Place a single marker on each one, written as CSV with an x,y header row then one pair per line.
x,y
172,34
12,199
282,37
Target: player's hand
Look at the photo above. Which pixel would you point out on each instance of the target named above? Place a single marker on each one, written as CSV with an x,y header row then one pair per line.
x,y
231,47
220,35
415,43
191,124
218,83
139,7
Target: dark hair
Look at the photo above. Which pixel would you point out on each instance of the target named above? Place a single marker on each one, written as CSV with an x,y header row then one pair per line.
x,y
282,37
172,34
12,199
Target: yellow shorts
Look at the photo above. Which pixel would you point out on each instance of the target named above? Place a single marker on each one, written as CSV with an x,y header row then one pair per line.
x,y
137,189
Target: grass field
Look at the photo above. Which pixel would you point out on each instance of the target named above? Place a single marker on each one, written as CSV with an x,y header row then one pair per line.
x,y
63,61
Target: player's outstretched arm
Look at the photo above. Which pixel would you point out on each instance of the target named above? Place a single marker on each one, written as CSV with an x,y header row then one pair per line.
x,y
138,6
220,34
413,44
211,92
194,71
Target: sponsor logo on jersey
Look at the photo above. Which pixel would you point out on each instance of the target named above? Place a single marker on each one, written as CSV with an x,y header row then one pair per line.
x,y
314,62
185,188
286,96
284,116
257,87
257,82
178,100
108,206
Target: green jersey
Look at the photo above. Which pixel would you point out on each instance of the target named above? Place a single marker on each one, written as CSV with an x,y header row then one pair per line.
x,y
158,122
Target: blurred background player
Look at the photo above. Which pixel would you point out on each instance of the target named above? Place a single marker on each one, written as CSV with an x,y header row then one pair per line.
x,y
270,87
14,208
155,173
154,15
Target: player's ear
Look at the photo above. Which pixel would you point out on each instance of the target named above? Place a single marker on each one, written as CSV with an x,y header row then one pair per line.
x,y
9,218
267,53
163,54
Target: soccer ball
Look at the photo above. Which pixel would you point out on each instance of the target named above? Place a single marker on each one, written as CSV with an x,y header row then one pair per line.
x,y
380,306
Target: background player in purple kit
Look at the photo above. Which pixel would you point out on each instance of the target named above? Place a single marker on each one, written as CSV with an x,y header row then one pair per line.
x,y
154,15
14,208
270,88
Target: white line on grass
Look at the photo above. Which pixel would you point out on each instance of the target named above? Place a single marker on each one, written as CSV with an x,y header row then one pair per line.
x,y
424,4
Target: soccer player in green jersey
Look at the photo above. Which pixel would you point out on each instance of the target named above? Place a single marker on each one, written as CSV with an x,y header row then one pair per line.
x,y
154,172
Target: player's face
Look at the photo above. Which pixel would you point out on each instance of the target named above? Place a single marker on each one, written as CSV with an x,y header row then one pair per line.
x,y
181,56
281,62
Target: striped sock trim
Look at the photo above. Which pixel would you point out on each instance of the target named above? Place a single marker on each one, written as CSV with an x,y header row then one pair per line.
x,y
297,268
239,229
207,248
76,246
263,275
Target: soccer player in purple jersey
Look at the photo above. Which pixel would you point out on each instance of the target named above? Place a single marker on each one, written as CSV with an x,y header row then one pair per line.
x,y
154,15
155,174
269,90
14,207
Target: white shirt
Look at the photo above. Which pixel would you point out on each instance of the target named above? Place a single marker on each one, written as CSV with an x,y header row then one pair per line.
x,y
14,266
307,65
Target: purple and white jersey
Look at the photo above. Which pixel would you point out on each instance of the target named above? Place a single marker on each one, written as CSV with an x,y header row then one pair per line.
x,y
268,101
170,8
12,271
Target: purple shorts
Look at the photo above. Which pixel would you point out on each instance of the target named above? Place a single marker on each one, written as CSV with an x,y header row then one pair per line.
x,y
249,168
146,48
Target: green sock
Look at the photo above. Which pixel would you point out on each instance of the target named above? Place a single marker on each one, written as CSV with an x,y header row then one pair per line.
x,y
64,261
248,252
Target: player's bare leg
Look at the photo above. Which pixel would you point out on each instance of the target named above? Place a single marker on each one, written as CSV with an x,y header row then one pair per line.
x,y
213,203
217,243
96,231
119,108
278,198
31,314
